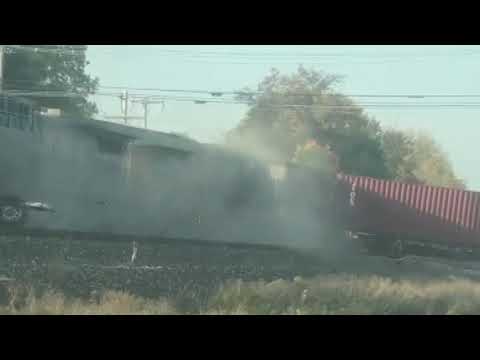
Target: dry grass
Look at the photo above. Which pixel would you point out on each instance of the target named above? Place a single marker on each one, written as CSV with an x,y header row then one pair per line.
x,y
110,303
332,294
345,294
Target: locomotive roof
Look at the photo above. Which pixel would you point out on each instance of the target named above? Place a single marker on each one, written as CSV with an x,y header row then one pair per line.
x,y
137,136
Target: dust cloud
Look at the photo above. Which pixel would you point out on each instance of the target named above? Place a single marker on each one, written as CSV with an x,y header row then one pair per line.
x,y
218,193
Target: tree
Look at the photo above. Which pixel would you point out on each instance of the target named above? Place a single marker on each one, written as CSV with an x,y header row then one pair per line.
x,y
398,148
416,157
432,165
59,68
291,110
318,157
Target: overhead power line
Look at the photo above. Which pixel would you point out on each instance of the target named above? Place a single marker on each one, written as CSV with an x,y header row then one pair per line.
x,y
357,106
315,54
199,101
218,93
218,99
20,93
221,93
271,56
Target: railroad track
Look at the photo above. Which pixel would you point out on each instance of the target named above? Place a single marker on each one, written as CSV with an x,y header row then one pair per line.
x,y
107,249
129,238
80,263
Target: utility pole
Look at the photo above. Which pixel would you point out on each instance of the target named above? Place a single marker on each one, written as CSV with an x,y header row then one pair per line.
x,y
124,105
145,103
145,113
124,99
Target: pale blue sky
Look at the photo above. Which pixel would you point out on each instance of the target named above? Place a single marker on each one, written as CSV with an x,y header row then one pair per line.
x,y
366,70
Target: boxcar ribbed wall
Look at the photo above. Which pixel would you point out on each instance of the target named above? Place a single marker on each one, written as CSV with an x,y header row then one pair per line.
x,y
437,209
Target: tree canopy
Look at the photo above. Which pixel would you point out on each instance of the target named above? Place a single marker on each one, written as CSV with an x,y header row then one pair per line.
x,y
416,157
288,113
318,157
59,68
291,110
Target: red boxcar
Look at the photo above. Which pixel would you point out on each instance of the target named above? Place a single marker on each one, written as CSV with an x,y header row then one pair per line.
x,y
394,210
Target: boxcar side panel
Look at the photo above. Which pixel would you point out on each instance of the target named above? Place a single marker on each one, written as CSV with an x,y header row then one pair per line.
x,y
425,212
